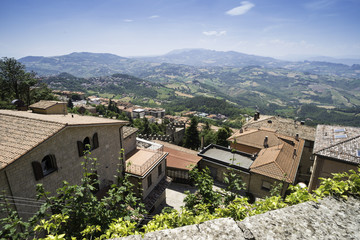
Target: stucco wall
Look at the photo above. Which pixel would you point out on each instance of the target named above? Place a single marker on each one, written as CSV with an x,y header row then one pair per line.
x,y
305,163
323,167
256,181
129,143
64,146
156,178
220,170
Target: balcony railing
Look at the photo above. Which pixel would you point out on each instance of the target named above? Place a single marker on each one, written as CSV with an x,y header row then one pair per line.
x,y
155,151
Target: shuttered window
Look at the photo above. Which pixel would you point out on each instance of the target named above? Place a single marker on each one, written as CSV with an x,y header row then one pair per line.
x,y
95,141
45,167
80,148
38,172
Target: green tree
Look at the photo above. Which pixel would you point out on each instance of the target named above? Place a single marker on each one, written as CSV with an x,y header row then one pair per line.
x,y
70,104
192,139
208,134
222,135
204,193
16,83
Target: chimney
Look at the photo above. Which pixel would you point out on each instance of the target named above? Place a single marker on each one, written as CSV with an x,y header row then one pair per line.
x,y
266,145
241,130
202,142
297,137
294,152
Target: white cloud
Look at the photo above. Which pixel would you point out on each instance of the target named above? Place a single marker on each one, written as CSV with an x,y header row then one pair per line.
x,y
320,4
214,33
128,20
154,16
240,10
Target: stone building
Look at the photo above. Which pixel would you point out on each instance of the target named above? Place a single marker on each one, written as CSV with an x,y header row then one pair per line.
x,y
273,164
337,149
49,148
291,128
146,164
49,107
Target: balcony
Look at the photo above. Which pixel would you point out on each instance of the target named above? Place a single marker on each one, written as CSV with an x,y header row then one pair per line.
x,y
144,157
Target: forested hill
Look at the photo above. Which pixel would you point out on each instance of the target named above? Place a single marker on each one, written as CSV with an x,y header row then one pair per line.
x,y
120,85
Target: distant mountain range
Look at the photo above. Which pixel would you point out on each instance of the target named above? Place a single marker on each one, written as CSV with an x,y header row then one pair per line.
x,y
204,57
85,64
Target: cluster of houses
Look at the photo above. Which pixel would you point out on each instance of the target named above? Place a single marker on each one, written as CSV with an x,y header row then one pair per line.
x,y
46,145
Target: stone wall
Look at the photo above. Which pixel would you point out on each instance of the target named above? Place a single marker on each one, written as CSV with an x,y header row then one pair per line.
x,y
327,219
64,147
324,167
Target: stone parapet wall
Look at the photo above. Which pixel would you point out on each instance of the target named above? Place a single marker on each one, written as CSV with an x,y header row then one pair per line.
x,y
328,219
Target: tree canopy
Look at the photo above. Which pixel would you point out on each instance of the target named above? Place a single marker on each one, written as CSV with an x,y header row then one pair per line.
x,y
16,83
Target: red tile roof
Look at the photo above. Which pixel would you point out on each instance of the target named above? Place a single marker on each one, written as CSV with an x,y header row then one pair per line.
x,y
179,157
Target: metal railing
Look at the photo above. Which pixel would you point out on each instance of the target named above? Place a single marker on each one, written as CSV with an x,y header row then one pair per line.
x,y
150,147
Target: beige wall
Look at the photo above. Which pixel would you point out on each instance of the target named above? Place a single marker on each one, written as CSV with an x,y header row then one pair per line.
x,y
130,143
142,182
305,164
324,167
220,170
256,182
59,108
156,178
64,146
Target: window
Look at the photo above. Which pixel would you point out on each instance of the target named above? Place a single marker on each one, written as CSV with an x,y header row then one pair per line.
x,y
47,166
266,186
87,144
159,169
149,180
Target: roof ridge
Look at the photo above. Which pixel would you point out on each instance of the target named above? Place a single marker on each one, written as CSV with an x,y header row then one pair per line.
x,y
341,142
36,119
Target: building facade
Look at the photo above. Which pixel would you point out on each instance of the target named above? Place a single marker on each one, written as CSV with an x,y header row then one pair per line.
x,y
49,149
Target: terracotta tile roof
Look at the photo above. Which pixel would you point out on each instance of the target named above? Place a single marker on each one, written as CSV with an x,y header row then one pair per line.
x,y
284,126
127,131
18,135
45,104
280,162
21,131
179,157
68,119
338,142
255,137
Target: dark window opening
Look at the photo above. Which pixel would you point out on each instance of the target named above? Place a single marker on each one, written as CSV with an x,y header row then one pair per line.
x,y
45,167
48,164
149,181
87,144
160,169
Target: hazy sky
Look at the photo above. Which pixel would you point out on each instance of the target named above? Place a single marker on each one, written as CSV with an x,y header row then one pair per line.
x,y
154,27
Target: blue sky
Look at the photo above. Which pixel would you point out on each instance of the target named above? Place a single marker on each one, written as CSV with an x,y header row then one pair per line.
x,y
154,27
